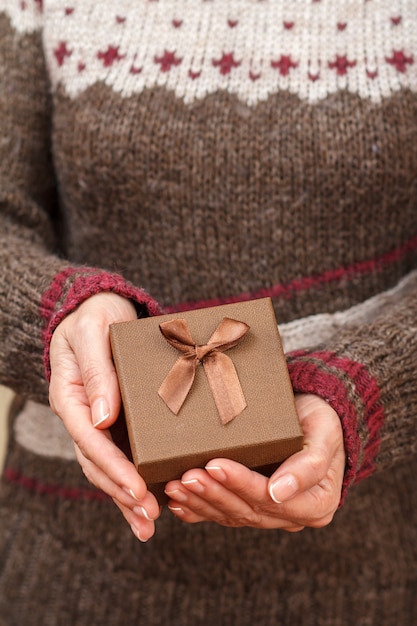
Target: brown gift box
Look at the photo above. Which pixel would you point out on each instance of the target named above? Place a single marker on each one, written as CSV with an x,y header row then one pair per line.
x,y
165,445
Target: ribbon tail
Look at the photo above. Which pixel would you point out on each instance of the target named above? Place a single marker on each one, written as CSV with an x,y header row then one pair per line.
x,y
178,382
225,386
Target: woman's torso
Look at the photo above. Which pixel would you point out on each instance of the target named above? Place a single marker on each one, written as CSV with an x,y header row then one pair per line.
x,y
224,150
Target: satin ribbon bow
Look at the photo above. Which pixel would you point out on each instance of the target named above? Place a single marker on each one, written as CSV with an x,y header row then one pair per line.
x,y
219,368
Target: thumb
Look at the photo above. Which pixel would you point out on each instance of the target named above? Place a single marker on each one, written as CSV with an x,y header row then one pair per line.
x,y
94,356
99,379
323,446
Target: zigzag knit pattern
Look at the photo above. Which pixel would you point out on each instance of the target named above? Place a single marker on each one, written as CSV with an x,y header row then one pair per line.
x,y
311,49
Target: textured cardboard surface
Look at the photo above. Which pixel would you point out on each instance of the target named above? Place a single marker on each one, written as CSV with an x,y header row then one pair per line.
x,y
165,445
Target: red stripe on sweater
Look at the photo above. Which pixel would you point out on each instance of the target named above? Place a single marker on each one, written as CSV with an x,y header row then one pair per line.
x,y
369,392
287,290
47,489
306,377
54,293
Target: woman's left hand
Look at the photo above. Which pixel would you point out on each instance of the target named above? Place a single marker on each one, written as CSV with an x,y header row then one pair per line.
x,y
304,491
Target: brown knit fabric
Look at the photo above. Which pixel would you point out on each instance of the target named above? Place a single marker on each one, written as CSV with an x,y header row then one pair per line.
x,y
189,154
208,178
26,185
67,561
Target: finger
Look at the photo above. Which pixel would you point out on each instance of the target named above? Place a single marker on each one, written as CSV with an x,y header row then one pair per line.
x,y
124,496
190,516
87,333
248,484
210,500
97,447
186,514
252,487
93,354
70,377
198,497
323,440
314,507
194,499
141,527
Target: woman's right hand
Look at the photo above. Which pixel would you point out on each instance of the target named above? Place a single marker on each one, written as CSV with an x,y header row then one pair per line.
x,y
84,393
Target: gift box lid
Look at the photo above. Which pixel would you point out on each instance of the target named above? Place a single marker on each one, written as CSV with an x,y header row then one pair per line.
x,y
165,445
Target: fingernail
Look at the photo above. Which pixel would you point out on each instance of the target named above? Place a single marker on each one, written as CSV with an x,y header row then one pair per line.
x,y
176,509
283,489
136,532
142,512
131,493
216,472
100,411
177,495
197,486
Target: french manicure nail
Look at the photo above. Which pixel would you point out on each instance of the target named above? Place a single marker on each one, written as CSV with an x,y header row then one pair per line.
x,y
131,493
283,488
177,495
136,532
100,411
176,509
216,472
142,512
197,486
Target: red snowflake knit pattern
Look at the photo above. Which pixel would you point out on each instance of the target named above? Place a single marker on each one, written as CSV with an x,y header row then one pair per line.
x,y
252,48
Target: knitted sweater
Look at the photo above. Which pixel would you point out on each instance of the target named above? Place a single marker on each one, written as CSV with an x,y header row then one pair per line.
x,y
186,154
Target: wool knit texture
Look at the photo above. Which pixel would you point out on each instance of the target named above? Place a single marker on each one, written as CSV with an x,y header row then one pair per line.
x,y
186,154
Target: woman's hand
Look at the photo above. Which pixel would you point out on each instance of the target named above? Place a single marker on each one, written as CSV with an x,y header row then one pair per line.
x,y
84,393
304,491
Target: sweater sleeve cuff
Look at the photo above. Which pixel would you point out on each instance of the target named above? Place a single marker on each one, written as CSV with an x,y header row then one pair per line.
x,y
73,286
354,394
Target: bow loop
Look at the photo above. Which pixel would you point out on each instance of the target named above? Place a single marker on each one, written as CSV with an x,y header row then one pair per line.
x,y
177,333
219,368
